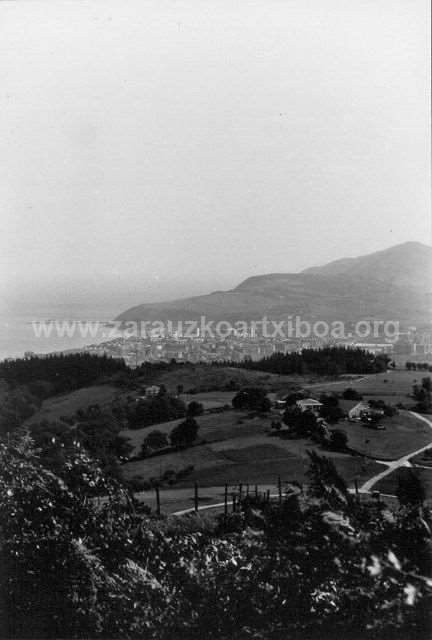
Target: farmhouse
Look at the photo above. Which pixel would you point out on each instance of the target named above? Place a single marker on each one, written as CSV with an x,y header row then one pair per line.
x,y
152,391
361,410
309,404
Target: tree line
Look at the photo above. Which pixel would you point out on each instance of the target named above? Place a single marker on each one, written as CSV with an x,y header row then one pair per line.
x,y
330,361
59,373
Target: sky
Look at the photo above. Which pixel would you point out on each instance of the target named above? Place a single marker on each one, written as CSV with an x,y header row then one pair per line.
x,y
151,150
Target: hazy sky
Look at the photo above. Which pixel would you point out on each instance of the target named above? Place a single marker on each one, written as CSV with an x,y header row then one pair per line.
x,y
166,148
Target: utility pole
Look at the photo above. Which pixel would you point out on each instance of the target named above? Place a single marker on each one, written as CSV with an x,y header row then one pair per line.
x,y
196,496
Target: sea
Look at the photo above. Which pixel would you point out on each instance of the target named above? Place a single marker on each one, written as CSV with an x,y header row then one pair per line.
x,y
54,327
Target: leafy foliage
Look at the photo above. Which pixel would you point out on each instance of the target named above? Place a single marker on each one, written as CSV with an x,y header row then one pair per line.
x,y
338,440
252,398
410,490
195,408
155,440
351,394
184,433
423,395
302,423
152,411
331,411
80,558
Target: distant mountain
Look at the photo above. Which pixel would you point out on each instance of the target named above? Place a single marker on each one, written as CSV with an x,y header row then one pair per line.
x,y
405,265
394,284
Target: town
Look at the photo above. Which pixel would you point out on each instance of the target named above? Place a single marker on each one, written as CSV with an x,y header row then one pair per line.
x,y
234,348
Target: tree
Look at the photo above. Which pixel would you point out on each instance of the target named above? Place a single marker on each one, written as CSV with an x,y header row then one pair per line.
x,y
427,383
330,411
303,423
253,399
184,433
194,408
292,398
307,423
410,490
155,440
325,482
423,394
338,440
325,361
351,394
332,414
155,410
292,416
380,405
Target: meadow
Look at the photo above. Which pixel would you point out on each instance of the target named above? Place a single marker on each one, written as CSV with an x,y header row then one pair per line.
x,y
392,386
403,433
67,404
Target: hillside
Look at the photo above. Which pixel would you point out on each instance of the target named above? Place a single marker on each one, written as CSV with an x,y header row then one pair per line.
x,y
390,284
405,265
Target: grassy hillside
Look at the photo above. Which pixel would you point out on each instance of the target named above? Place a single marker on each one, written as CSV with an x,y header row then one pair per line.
x,y
67,404
233,447
403,433
393,386
207,378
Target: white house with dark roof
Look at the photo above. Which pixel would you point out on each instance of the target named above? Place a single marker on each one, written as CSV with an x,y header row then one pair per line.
x,y
363,409
309,404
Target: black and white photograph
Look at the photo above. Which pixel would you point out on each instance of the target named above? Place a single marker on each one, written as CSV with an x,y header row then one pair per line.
x,y
215,320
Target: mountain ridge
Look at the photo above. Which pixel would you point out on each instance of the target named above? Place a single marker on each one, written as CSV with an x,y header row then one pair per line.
x,y
395,283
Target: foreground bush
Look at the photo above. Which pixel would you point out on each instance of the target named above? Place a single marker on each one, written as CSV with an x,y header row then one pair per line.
x,y
81,559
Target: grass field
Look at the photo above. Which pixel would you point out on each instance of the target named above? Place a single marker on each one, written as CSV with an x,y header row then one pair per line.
x,y
254,465
403,433
235,448
392,386
204,379
67,404
209,399
213,427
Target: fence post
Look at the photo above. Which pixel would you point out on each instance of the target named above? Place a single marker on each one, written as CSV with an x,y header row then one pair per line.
x,y
240,491
233,502
226,502
280,489
157,500
196,496
247,490
268,495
